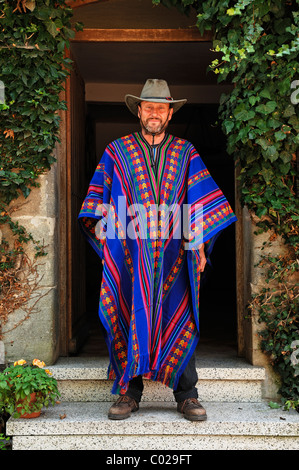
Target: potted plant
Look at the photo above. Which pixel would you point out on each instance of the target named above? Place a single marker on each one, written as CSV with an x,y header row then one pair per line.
x,y
26,388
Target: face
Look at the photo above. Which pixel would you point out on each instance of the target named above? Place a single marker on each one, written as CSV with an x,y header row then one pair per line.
x,y
154,117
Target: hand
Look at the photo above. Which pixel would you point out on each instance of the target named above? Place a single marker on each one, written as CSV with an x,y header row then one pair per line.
x,y
203,259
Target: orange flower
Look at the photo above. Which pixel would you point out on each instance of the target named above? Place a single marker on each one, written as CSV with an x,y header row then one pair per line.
x,y
20,362
38,363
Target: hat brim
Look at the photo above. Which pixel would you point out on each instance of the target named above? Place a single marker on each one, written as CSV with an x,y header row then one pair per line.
x,y
132,103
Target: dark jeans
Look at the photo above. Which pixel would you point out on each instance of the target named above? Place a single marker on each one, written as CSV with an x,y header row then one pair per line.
x,y
186,387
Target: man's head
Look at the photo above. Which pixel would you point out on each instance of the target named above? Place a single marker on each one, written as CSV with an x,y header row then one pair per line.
x,y
154,117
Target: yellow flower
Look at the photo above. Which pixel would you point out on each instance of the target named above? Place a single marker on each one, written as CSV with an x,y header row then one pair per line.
x,y
230,11
48,372
20,362
38,363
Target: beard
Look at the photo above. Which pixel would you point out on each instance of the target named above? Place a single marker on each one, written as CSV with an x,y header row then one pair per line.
x,y
154,128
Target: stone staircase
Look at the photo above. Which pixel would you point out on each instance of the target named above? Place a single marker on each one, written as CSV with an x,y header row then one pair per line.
x,y
230,389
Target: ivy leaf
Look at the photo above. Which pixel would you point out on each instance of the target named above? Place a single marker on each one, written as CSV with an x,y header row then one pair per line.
x,y
261,211
266,108
294,121
262,125
267,174
272,153
263,142
284,168
265,93
61,45
289,111
79,26
51,28
280,135
274,123
286,156
229,125
30,4
241,113
25,190
43,13
253,99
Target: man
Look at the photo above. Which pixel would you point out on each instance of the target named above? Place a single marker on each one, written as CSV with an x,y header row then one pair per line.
x,y
134,216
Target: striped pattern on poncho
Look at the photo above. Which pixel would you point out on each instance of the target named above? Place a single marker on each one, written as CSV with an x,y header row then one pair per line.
x,y
149,298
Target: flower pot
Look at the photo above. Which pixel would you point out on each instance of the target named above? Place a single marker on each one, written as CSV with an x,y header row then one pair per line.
x,y
28,415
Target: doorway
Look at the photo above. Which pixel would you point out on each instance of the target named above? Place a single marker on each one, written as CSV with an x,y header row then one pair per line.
x,y
97,115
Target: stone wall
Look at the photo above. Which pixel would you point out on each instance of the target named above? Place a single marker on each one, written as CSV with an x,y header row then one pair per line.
x,y
254,246
37,335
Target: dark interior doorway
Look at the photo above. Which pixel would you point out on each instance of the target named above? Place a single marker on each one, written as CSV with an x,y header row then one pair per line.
x,y
196,123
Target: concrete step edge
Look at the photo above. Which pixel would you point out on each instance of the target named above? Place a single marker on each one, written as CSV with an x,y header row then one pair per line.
x,y
250,419
96,369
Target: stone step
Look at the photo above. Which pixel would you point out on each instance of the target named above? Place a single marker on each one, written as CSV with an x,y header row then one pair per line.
x,y
157,426
220,379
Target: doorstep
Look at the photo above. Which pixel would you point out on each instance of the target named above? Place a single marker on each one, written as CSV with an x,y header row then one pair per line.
x,y
219,379
157,426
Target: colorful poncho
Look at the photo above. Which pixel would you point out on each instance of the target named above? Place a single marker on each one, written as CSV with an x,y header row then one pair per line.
x,y
132,216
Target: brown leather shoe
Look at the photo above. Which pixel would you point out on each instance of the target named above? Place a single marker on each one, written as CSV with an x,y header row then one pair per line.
x,y
192,409
123,407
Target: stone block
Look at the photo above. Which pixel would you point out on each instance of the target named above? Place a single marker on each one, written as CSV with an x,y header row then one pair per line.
x,y
32,332
43,229
2,353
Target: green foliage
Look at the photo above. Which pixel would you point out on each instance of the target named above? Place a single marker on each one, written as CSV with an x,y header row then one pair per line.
x,y
4,442
256,48
33,38
277,305
33,70
19,381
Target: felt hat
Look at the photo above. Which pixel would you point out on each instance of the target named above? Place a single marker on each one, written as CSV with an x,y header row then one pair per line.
x,y
155,91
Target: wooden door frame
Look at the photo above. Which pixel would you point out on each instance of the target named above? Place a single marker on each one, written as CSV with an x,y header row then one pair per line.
x,y
89,36
64,214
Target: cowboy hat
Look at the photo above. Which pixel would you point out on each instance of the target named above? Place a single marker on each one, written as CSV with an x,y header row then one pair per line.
x,y
155,91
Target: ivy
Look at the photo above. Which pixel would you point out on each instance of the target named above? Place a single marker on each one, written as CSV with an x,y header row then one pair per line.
x,y
33,37
256,47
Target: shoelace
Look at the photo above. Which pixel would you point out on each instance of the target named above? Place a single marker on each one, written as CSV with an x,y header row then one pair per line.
x,y
124,399
191,401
